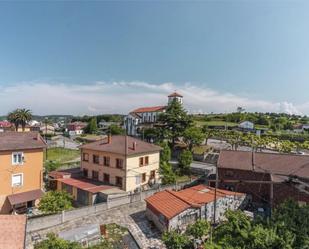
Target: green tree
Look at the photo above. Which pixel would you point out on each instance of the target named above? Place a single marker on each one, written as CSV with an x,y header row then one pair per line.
x,y
92,126
115,130
175,121
185,160
193,136
167,173
174,240
199,229
20,117
54,242
51,166
55,201
165,154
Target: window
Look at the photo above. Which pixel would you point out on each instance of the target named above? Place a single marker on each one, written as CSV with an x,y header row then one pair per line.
x,y
119,163
85,172
17,158
152,174
95,159
119,181
106,177
106,161
17,180
146,160
95,175
85,157
144,177
141,161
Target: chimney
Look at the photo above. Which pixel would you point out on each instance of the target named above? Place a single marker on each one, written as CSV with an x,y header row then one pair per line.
x,y
134,145
109,139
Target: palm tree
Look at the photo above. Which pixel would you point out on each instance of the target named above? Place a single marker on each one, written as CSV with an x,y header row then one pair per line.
x,y
20,117
13,118
24,116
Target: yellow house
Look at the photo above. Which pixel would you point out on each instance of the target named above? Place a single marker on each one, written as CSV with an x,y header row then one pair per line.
x,y
21,167
123,161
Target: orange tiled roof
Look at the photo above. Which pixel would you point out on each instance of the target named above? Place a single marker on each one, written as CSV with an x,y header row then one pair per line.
x,y
171,203
13,229
149,109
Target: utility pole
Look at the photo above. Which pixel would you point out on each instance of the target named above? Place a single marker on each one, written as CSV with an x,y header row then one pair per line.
x,y
215,200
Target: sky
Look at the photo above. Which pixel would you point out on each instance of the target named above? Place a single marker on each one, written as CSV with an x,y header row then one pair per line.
x,y
93,57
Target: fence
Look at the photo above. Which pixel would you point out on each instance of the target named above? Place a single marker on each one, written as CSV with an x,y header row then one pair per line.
x,y
36,223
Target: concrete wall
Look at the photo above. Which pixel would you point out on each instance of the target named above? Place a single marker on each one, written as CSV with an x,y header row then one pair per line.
x,y
31,169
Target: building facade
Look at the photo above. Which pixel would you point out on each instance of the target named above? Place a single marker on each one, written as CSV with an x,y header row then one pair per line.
x,y
170,210
123,161
146,117
21,169
268,178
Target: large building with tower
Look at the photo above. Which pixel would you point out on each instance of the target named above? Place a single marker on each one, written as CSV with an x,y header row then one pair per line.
x,y
147,117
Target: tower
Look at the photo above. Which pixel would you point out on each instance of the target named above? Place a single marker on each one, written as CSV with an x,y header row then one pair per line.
x,y
175,96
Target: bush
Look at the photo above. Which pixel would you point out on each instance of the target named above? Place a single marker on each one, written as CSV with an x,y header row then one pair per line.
x,y
55,201
185,161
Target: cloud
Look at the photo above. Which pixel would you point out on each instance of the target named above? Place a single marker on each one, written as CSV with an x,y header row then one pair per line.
x,y
121,97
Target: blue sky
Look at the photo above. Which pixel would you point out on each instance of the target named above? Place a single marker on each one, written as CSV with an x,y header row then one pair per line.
x,y
93,57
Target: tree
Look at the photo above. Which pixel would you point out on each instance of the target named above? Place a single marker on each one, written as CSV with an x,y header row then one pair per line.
x,y
51,166
185,160
115,130
54,242
55,201
174,121
24,116
193,136
92,126
174,240
199,229
20,117
167,173
165,154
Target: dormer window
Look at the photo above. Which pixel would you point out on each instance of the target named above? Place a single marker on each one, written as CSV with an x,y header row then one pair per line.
x,y
17,158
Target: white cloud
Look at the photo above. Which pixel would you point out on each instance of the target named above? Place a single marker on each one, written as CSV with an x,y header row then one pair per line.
x,y
121,97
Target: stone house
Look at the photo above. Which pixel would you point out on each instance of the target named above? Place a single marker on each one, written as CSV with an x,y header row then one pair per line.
x,y
170,210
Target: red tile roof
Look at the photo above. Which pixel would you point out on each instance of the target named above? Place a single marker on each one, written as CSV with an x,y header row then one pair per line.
x,y
85,184
175,94
166,203
21,141
281,164
5,124
117,145
13,230
171,203
149,109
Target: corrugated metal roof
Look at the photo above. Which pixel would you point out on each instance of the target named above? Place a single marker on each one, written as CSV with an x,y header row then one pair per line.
x,y
25,196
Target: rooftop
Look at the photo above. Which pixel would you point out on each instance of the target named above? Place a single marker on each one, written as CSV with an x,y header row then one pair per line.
x,y
170,203
21,141
175,94
13,229
117,145
281,164
149,109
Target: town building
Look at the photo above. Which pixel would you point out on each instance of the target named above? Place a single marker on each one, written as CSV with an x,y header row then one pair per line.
x,y
13,231
112,165
246,125
268,178
170,210
76,128
21,169
147,117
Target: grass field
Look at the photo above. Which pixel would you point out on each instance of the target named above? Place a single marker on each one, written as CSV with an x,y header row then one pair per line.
x,y
62,155
215,123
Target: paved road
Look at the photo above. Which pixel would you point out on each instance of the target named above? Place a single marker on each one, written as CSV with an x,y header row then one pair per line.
x,y
130,216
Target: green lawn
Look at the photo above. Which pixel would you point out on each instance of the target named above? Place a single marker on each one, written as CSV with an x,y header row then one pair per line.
x,y
215,123
183,178
62,155
201,149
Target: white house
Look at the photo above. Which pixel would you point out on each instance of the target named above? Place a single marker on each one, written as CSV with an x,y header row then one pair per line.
x,y
147,116
247,125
